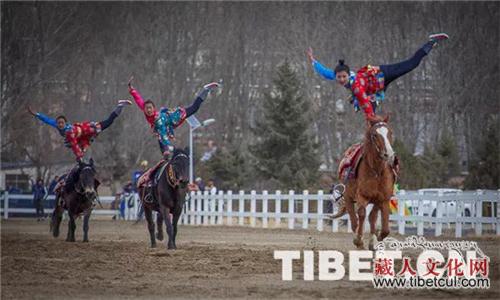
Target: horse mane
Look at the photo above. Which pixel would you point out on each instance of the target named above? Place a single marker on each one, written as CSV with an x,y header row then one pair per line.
x,y
178,151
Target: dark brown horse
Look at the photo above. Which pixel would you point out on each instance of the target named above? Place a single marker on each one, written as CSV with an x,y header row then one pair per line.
x,y
373,183
169,195
78,197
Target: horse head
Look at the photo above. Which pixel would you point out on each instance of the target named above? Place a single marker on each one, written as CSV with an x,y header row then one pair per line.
x,y
178,169
379,135
86,184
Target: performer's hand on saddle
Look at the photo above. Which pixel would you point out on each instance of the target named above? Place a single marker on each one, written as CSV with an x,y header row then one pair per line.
x,y
130,87
30,111
310,55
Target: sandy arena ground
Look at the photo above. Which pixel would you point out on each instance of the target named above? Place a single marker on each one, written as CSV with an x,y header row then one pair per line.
x,y
211,262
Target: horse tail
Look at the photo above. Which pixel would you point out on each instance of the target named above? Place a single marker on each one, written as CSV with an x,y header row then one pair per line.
x,y
342,211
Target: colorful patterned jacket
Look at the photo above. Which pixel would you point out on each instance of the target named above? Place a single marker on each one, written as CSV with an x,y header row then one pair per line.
x,y
366,85
162,122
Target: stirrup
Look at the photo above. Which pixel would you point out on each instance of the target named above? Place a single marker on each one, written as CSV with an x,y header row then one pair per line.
x,y
338,192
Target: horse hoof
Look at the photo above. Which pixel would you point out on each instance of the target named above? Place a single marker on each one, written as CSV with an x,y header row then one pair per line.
x,y
159,237
153,245
373,241
358,242
85,241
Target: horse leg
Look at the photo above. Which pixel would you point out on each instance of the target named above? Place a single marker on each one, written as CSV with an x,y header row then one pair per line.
x,y
352,215
175,221
165,211
56,219
159,227
148,213
373,223
385,221
86,219
71,228
358,238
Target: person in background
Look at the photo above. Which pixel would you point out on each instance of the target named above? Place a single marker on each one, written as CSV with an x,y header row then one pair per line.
x,y
39,194
210,187
53,184
200,184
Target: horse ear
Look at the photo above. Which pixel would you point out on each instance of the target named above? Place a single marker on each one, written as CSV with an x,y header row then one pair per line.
x,y
371,120
386,119
91,161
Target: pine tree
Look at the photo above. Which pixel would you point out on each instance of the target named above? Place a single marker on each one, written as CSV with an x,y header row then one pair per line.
x,y
484,173
228,167
285,152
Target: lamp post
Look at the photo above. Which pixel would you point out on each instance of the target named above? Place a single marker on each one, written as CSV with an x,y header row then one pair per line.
x,y
193,125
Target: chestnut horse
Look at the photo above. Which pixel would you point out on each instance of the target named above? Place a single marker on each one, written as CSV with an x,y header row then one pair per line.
x,y
373,183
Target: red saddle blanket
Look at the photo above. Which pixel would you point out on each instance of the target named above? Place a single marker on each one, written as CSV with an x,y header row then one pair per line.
x,y
348,164
146,177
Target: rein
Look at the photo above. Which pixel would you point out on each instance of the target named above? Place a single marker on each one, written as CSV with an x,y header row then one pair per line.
x,y
377,148
172,180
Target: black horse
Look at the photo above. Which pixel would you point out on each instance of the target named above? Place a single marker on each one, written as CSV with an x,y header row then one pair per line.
x,y
169,194
77,197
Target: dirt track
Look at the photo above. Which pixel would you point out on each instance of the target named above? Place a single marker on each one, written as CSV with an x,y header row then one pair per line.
x,y
211,262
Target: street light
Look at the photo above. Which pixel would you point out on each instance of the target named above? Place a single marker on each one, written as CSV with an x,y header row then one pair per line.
x,y
193,125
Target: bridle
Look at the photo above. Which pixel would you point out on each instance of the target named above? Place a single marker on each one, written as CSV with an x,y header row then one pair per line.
x,y
372,137
78,187
172,180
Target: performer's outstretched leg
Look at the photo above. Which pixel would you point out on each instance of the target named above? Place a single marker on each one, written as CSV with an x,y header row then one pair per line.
x,y
394,71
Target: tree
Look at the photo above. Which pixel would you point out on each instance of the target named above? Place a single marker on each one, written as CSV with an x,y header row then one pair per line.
x,y
228,167
484,173
284,150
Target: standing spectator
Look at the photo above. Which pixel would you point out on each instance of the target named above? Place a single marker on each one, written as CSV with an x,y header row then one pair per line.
x,y
53,184
210,187
200,184
39,195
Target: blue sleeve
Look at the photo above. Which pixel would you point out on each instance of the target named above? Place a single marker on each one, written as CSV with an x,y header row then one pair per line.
x,y
323,71
47,120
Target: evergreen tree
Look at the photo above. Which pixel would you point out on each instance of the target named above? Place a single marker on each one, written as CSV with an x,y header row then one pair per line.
x,y
228,167
285,153
484,173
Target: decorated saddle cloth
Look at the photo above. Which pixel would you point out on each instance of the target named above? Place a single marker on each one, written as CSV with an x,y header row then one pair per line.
x,y
145,178
349,163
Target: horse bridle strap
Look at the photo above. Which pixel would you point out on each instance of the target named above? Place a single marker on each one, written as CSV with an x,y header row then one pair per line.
x,y
376,125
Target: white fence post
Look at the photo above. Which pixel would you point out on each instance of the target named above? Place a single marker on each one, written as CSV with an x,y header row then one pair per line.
x,y
305,210
264,209
277,210
291,204
241,208
220,208
459,214
199,210
229,208
253,210
498,211
319,209
420,222
439,215
213,206
192,208
6,205
206,207
401,213
479,213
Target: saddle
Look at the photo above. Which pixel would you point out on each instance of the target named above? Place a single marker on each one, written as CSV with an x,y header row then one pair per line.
x,y
349,164
150,179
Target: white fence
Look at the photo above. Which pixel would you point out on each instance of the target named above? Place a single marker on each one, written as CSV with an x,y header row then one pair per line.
x,y
130,213
468,212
